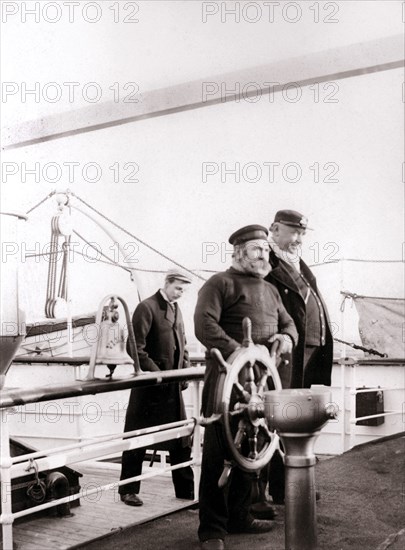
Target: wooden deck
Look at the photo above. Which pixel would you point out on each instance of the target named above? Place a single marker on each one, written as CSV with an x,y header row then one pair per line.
x,y
98,514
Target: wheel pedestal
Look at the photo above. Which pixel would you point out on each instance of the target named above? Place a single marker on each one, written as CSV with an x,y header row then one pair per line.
x,y
298,416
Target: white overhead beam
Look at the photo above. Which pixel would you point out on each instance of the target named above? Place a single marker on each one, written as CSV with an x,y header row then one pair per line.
x,y
343,62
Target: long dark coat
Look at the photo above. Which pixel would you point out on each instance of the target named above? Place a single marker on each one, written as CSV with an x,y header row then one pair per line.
x,y
295,306
160,341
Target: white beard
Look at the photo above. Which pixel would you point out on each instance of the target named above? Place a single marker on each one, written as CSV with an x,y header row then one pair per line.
x,y
292,258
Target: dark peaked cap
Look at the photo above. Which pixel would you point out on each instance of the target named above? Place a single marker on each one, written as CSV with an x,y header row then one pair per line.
x,y
248,233
291,218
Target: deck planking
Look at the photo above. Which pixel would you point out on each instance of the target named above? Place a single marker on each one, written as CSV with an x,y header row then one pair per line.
x,y
100,514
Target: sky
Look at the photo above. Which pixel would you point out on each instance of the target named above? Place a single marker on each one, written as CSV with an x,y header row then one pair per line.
x,y
184,182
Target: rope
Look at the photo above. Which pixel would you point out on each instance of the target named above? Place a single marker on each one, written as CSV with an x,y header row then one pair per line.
x,y
37,488
62,291
102,261
373,261
137,238
52,270
110,260
356,296
89,257
356,346
40,255
51,295
357,260
116,264
41,202
324,263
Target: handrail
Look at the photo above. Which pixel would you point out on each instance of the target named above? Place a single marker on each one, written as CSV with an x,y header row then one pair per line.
x,y
14,397
10,468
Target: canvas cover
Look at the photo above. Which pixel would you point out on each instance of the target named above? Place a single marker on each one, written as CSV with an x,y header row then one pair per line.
x,y
381,324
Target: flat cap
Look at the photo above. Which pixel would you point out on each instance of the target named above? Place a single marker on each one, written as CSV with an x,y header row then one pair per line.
x,y
291,218
248,233
178,274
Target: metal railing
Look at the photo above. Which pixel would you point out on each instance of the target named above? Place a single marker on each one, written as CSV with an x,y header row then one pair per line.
x,y
362,376
349,374
96,447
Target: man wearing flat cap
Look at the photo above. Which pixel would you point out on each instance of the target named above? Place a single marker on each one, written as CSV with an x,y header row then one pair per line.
x,y
223,302
160,342
312,357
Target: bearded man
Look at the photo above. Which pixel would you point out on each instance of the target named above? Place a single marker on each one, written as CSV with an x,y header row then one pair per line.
x,y
223,302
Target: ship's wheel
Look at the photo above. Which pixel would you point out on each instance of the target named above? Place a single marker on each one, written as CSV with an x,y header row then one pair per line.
x,y
239,403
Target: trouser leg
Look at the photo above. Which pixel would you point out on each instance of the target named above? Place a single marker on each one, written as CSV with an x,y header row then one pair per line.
x,y
226,507
131,465
276,478
262,482
213,507
312,365
183,478
239,499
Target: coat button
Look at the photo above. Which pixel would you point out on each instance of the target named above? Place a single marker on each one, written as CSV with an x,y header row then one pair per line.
x,y
286,291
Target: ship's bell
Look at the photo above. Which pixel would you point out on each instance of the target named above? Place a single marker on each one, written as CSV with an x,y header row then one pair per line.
x,y
111,349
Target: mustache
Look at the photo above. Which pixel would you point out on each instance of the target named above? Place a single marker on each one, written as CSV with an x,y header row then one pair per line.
x,y
258,267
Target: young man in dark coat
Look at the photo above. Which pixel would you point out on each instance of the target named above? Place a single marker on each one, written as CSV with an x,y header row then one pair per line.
x,y
223,302
311,360
160,341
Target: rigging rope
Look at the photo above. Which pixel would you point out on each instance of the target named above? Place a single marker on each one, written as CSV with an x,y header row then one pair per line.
x,y
110,260
51,298
137,238
174,261
354,296
372,261
41,202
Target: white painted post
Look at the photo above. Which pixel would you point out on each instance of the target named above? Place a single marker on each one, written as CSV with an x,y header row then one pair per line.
x,y
6,497
343,417
195,384
353,406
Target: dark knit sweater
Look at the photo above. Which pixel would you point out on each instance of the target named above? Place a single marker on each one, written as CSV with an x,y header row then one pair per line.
x,y
223,302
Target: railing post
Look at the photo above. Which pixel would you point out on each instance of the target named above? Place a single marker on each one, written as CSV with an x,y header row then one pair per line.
x,y
5,473
353,406
343,417
197,436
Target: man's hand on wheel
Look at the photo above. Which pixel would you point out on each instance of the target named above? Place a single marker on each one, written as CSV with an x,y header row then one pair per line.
x,y
282,343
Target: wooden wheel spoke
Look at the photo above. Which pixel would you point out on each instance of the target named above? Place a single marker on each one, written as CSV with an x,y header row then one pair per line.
x,y
238,409
240,434
261,385
262,424
245,396
250,379
253,442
